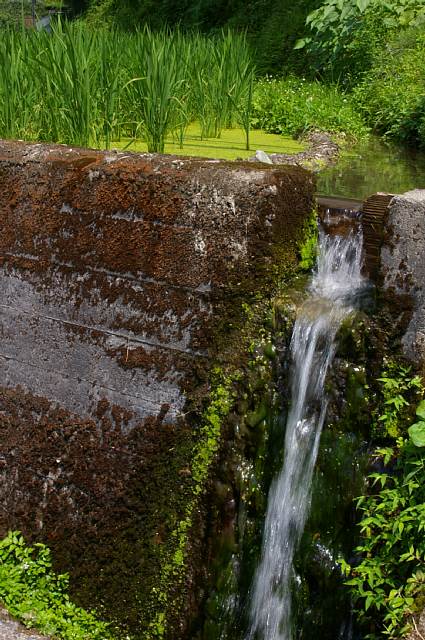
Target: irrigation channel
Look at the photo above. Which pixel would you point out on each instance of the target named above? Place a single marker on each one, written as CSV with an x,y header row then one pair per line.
x,y
333,294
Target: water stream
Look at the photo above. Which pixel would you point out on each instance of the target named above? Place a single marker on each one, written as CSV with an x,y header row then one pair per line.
x,y
334,290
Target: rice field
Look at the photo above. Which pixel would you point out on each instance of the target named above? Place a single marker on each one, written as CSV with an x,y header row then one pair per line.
x,y
231,144
105,88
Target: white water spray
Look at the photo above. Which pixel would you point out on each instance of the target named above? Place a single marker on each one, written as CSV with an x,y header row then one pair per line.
x,y
335,284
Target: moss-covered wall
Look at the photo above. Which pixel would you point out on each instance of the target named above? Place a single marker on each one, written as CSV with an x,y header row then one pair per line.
x,y
126,283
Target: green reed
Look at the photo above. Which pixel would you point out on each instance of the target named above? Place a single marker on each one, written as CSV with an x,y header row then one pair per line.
x,y
85,87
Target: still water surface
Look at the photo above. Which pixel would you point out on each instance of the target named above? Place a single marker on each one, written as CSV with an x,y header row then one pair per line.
x,y
371,167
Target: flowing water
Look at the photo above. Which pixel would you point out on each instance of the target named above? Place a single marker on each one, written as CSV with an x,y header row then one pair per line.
x,y
333,292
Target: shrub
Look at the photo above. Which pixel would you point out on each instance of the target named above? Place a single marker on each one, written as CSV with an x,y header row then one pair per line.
x,y
292,106
37,596
392,94
391,574
388,578
344,35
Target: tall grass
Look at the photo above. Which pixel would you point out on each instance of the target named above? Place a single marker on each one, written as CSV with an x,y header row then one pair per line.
x,y
85,87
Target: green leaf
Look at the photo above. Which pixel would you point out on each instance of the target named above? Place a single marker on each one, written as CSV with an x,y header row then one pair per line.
x,y
300,44
420,410
417,434
362,5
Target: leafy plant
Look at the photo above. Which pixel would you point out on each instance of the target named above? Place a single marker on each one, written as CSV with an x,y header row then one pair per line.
x,y
391,573
391,94
417,431
397,384
345,33
292,106
38,597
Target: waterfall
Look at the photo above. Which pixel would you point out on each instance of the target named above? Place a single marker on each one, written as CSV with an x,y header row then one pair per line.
x,y
333,290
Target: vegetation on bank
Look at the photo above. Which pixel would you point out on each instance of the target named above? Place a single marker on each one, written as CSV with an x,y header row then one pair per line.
x,y
375,49
387,579
38,597
76,86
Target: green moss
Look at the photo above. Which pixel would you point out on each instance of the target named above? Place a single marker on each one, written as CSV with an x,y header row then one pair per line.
x,y
307,249
173,568
230,145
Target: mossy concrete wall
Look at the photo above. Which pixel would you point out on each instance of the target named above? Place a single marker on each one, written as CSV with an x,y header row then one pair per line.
x,y
122,279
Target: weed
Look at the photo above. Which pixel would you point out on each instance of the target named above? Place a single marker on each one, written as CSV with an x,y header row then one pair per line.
x,y
38,597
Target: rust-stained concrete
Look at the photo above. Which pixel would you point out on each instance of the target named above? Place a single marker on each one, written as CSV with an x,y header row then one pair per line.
x,y
122,278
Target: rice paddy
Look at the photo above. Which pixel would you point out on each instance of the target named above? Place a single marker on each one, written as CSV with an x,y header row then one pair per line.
x,y
106,88
229,146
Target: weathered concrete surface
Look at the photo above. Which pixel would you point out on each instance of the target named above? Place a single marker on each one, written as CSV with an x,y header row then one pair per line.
x,y
418,631
122,279
403,264
12,630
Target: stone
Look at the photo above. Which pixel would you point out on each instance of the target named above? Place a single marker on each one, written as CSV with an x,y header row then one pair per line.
x,y
403,264
10,629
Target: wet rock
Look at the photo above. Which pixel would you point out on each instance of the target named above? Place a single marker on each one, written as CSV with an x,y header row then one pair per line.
x,y
418,631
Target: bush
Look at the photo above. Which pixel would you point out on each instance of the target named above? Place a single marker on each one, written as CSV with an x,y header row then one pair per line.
x,y
391,573
38,597
293,106
391,94
344,36
388,577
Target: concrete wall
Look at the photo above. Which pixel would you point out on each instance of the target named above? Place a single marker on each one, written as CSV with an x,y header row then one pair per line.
x,y
403,266
122,278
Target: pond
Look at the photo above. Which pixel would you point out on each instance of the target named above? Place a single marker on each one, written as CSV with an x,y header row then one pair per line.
x,y
373,166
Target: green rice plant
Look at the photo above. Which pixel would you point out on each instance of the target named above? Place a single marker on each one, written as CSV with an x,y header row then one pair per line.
x,y
216,73
15,86
240,93
68,59
203,77
86,87
157,87
184,107
109,82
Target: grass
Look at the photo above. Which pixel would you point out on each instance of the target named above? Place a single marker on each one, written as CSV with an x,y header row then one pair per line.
x,y
229,146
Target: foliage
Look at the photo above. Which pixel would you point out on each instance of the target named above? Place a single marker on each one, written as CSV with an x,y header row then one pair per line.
x,y
417,431
391,573
292,106
346,33
391,94
397,387
389,576
38,597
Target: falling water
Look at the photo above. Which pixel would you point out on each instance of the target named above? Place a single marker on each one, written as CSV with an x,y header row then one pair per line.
x,y
333,290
